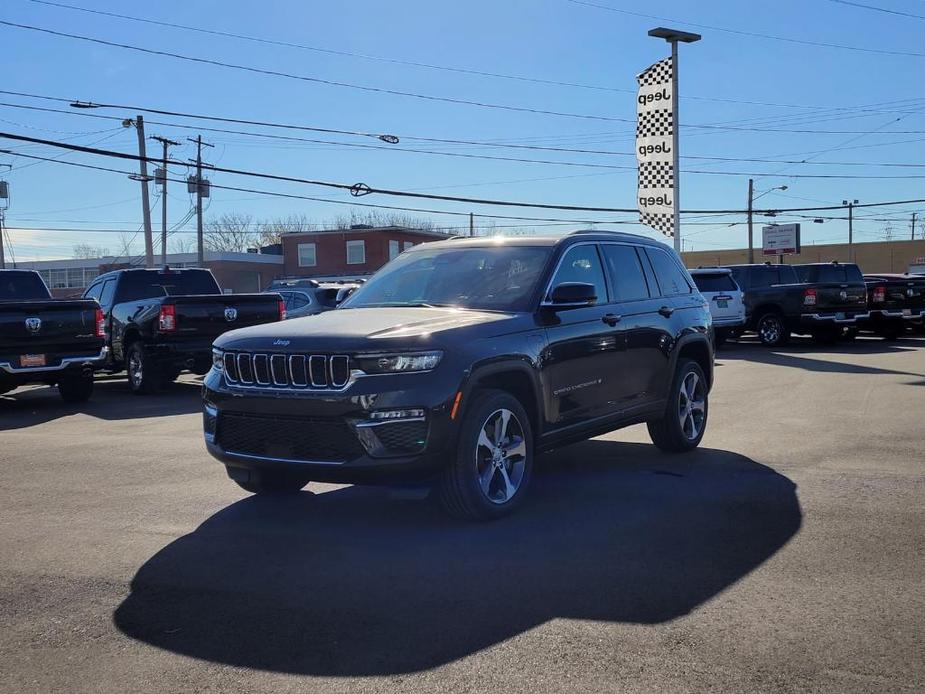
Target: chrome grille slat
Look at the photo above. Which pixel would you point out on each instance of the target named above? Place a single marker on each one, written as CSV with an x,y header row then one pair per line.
x,y
294,372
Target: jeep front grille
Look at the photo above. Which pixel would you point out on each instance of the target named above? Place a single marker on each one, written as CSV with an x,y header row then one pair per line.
x,y
291,371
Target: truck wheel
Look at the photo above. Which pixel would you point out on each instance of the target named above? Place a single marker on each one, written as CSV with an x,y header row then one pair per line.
x,y
490,472
685,421
143,375
76,388
891,332
266,481
771,329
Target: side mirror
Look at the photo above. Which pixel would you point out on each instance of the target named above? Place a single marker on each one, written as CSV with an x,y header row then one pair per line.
x,y
572,295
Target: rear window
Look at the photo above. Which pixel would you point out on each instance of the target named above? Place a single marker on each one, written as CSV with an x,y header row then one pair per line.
x,y
150,285
715,282
22,286
837,273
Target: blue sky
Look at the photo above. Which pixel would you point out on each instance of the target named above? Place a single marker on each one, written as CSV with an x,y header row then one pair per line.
x,y
553,40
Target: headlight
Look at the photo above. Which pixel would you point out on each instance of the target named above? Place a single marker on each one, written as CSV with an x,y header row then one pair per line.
x,y
218,359
398,363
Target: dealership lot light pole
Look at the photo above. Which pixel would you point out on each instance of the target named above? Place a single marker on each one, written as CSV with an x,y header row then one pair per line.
x,y
674,36
751,202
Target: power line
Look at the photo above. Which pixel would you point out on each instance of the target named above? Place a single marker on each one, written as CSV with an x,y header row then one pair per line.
x,y
879,9
314,80
752,34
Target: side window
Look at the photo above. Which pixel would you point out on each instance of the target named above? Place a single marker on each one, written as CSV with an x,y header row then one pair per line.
x,y
626,275
582,264
671,279
764,277
297,300
109,286
94,291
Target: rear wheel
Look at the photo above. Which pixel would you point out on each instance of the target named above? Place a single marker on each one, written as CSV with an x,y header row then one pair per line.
x,y
771,329
76,388
143,374
491,470
685,421
267,481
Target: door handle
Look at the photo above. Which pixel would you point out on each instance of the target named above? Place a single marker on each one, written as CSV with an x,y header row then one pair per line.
x,y
666,311
611,319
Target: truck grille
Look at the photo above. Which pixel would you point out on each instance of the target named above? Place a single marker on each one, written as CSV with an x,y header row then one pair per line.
x,y
291,371
288,438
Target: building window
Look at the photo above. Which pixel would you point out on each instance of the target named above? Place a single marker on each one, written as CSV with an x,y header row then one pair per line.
x,y
408,244
307,255
75,277
394,249
90,274
356,252
57,279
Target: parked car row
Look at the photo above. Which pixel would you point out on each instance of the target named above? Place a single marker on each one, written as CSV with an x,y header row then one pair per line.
x,y
827,301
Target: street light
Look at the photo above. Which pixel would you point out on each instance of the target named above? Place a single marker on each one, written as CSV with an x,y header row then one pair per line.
x,y
751,201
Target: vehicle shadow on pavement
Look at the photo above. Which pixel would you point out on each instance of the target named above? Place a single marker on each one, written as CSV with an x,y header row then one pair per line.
x,y
350,582
796,359
111,400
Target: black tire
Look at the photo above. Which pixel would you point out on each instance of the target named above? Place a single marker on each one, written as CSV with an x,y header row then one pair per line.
x,y
891,332
76,388
669,433
267,481
144,377
772,330
485,481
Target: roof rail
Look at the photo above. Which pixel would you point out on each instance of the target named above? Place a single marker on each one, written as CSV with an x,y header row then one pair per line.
x,y
593,231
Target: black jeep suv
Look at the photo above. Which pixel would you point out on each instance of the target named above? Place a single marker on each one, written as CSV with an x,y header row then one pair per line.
x,y
459,361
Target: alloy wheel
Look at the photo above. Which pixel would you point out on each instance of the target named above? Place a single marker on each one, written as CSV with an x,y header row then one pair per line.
x,y
501,456
691,406
769,330
135,372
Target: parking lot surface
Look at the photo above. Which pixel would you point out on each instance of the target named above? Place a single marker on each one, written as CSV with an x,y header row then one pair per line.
x,y
787,554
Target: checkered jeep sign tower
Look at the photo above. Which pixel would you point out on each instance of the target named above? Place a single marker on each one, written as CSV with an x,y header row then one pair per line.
x,y
655,145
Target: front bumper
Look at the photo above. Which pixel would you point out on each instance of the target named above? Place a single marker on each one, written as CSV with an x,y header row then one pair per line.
x,y
332,436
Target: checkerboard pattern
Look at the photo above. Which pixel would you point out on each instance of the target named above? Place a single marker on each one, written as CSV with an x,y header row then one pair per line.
x,y
659,221
658,122
659,73
656,174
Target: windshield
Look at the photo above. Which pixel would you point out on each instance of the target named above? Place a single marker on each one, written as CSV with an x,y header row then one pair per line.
x,y
22,286
495,278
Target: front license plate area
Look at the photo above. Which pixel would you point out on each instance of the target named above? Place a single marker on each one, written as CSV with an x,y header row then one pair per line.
x,y
29,360
722,303
840,315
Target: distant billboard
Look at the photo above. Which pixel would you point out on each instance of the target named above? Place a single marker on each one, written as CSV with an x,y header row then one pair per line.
x,y
780,239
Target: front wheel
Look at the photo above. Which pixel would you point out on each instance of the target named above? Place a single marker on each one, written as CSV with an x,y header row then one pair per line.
x,y
685,420
491,470
76,388
771,330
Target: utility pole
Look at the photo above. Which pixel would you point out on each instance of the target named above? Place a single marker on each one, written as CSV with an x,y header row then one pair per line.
x,y
2,258
471,224
673,36
200,249
161,177
751,238
913,227
4,205
139,123
850,205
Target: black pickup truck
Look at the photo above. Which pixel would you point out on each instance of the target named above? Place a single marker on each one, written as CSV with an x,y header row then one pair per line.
x,y
818,299
47,340
895,300
161,322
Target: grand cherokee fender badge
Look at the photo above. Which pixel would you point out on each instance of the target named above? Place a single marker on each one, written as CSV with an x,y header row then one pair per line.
x,y
231,314
33,325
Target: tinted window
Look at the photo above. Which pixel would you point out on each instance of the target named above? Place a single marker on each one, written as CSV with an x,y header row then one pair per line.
x,y
297,300
21,286
495,277
714,282
582,264
152,284
669,275
839,273
94,291
109,286
626,276
804,273
764,276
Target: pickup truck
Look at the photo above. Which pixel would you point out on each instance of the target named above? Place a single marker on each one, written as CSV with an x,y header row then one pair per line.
x,y
162,322
895,300
818,299
46,340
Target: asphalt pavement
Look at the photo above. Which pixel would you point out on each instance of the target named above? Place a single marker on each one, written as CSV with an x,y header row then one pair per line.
x,y
787,554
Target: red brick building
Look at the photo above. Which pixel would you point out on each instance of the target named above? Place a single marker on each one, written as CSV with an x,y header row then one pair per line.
x,y
355,251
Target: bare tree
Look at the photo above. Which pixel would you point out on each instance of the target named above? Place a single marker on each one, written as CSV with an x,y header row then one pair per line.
x,y
126,243
376,218
85,251
182,243
271,231
232,232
